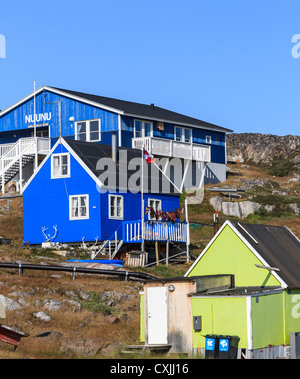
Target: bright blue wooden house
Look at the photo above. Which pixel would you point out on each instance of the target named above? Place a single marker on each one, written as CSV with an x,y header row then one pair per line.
x,y
189,150
89,192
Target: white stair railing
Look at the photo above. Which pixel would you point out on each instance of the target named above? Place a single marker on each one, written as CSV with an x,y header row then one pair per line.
x,y
12,155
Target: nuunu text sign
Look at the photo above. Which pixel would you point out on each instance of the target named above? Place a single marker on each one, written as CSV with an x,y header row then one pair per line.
x,y
42,117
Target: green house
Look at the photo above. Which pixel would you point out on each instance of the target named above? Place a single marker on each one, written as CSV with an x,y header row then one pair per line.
x,y
260,304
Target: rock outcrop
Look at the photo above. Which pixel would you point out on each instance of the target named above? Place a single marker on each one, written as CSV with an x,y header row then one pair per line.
x,y
240,209
261,148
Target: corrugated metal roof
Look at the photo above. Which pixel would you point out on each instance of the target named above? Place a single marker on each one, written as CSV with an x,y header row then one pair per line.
x,y
90,153
150,111
278,246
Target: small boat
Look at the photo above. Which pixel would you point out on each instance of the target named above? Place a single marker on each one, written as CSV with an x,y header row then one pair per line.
x,y
113,262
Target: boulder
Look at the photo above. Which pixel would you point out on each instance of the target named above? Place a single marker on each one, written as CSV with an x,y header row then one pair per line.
x,y
231,209
42,316
52,305
9,304
81,346
216,203
295,208
237,209
248,207
112,349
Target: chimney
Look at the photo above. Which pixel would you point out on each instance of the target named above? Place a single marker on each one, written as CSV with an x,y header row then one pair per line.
x,y
114,147
152,106
216,223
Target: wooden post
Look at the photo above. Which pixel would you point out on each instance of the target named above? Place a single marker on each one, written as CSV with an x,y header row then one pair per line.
x,y
167,252
20,175
157,252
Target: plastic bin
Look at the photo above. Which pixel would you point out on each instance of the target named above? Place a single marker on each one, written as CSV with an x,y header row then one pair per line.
x,y
228,347
211,346
221,347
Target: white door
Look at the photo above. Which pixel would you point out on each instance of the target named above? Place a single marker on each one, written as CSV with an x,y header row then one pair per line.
x,y
157,315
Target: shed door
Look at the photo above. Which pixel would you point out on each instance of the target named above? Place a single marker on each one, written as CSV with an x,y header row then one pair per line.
x,y
157,315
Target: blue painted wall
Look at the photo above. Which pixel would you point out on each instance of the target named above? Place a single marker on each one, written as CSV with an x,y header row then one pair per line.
x,y
218,145
46,104
132,209
46,203
13,125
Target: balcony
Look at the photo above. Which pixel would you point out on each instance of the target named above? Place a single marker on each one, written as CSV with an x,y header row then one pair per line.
x,y
173,149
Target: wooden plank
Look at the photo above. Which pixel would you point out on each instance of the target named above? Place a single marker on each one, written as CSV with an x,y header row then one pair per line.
x,y
157,252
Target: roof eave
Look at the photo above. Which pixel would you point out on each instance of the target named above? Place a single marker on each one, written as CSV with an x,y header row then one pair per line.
x,y
61,93
210,127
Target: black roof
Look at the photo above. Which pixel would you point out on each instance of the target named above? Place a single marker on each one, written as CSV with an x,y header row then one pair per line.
x,y
154,180
150,111
278,246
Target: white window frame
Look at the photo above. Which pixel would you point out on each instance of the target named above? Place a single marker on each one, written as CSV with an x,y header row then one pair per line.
x,y
87,216
113,216
155,208
183,134
143,128
208,140
53,176
88,130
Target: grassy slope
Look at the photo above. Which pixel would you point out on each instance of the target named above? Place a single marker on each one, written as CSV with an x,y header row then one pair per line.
x,y
87,323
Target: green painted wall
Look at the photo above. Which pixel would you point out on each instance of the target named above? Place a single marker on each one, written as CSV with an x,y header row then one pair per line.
x,y
229,255
292,312
267,320
220,316
142,318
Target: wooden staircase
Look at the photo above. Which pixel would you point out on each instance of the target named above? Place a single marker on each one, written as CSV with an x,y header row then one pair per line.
x,y
109,248
14,157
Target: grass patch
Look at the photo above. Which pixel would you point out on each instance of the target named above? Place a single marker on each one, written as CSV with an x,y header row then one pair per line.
x,y
282,166
96,305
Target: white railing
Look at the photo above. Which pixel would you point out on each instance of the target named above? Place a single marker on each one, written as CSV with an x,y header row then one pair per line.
x,y
156,231
24,146
5,148
174,149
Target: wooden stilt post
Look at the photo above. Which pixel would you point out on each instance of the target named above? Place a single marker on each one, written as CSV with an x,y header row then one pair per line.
x,y
167,252
156,252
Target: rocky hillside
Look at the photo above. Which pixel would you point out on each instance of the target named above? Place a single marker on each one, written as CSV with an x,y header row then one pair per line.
x,y
262,148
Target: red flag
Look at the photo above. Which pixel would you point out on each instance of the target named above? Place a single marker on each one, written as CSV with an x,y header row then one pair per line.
x,y
149,158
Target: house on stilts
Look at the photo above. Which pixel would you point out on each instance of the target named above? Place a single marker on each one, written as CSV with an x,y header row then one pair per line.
x,y
190,151
90,192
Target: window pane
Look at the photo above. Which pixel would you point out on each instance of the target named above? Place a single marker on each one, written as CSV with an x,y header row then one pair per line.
x,y
64,170
188,135
74,207
147,127
56,161
119,212
64,165
138,129
82,211
112,206
83,201
95,130
178,134
64,159
81,131
119,206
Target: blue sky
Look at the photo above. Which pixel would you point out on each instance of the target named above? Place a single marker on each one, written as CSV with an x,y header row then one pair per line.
x,y
228,62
